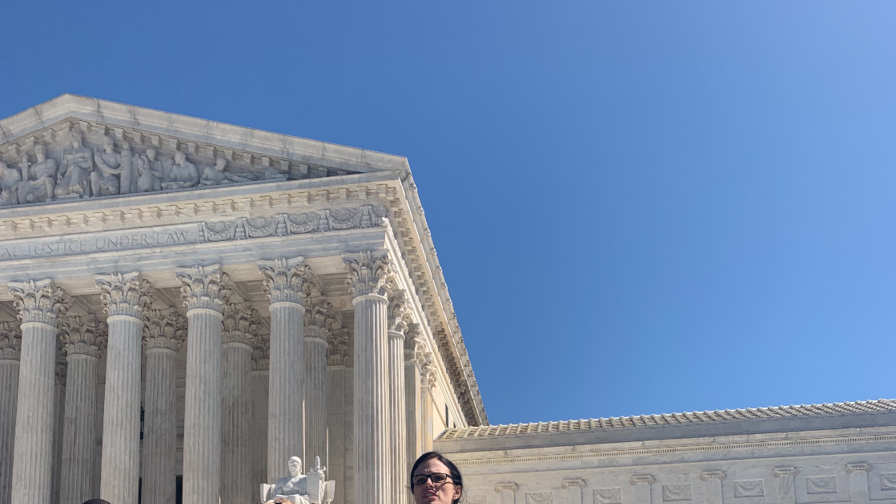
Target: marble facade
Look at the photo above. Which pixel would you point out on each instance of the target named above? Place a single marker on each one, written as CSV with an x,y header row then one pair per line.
x,y
189,304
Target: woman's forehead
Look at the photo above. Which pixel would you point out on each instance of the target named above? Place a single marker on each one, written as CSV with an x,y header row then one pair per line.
x,y
433,465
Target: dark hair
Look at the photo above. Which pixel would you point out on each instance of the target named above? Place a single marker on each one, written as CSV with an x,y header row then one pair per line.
x,y
96,501
454,472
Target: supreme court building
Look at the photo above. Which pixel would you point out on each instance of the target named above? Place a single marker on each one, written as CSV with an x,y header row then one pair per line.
x,y
190,303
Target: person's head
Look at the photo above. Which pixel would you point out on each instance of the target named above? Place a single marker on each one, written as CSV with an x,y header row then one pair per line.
x,y
151,154
108,143
96,501
436,480
180,157
40,152
220,163
295,466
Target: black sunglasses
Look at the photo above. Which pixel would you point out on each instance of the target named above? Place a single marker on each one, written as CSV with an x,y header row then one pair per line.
x,y
420,479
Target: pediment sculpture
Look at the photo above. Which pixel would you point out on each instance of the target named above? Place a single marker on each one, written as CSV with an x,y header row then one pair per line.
x,y
78,165
298,488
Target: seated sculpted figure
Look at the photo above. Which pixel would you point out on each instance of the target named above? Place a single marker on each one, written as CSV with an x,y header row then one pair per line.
x,y
9,180
298,488
38,179
74,173
149,172
182,174
215,175
103,181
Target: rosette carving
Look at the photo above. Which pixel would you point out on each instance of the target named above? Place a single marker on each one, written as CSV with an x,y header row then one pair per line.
x,y
85,335
368,273
164,328
399,312
204,287
10,340
39,302
241,322
284,279
123,294
261,352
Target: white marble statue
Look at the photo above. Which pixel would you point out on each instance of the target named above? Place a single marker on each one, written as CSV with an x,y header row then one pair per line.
x,y
9,181
38,179
74,173
149,172
298,488
215,175
182,174
103,180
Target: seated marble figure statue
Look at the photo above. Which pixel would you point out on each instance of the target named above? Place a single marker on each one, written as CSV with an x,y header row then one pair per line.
x,y
298,488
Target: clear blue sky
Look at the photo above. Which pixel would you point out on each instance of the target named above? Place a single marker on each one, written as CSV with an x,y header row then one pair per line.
x,y
640,207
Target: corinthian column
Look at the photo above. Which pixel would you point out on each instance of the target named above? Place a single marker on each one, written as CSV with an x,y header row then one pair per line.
x,y
123,296
240,321
368,278
84,339
399,316
319,320
284,281
413,349
205,294
10,348
39,304
164,332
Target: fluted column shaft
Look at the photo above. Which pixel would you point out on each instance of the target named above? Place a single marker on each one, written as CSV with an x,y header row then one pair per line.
x,y
39,304
202,412
371,400
236,476
286,430
121,412
32,459
79,430
160,428
397,407
412,410
205,293
9,391
316,399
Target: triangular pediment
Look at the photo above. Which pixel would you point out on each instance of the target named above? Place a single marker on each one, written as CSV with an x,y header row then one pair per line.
x,y
95,148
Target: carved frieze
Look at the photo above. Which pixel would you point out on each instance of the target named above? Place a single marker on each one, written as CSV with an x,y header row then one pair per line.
x,y
749,488
672,493
821,484
10,340
161,236
539,498
86,161
164,328
888,481
608,495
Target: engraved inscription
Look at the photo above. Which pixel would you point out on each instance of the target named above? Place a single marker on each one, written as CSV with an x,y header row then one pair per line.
x,y
100,242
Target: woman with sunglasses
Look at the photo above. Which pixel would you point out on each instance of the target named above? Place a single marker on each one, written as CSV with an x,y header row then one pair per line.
x,y
436,480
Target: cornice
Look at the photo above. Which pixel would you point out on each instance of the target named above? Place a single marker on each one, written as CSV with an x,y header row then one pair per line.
x,y
621,454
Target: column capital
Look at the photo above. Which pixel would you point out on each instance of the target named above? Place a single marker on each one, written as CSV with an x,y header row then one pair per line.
x,y
320,317
39,302
261,353
572,483
338,351
284,280
203,287
123,294
399,312
784,471
507,486
413,342
85,335
851,468
10,340
164,329
61,364
241,321
641,479
716,475
368,273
